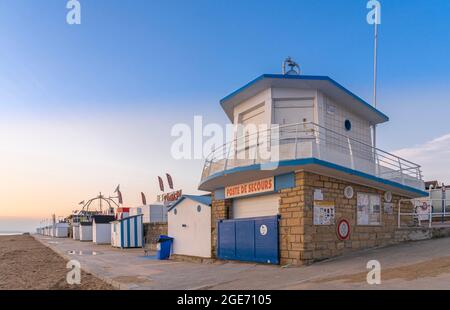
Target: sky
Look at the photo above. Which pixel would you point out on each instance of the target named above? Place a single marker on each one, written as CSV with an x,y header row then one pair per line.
x,y
86,107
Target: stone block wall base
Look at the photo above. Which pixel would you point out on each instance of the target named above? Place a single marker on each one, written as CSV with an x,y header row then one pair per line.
x,y
192,259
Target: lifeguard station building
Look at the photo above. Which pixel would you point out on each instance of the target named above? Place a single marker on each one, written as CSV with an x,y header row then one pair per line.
x,y
324,190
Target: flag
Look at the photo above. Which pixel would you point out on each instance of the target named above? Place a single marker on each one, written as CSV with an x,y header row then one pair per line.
x,y
144,201
81,202
161,184
117,189
169,180
119,196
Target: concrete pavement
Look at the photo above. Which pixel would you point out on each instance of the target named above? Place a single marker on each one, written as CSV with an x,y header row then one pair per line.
x,y
415,265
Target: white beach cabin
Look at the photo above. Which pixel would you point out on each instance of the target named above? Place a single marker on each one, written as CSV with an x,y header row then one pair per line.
x,y
189,223
154,213
101,229
76,231
127,232
61,230
85,231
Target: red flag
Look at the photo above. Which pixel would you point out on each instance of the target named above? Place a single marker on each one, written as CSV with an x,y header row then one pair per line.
x,y
169,180
161,184
144,201
119,195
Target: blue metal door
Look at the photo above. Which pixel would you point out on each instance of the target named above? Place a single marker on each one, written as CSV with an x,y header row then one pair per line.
x,y
251,240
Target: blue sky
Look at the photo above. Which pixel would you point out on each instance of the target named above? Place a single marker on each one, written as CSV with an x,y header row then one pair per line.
x,y
108,91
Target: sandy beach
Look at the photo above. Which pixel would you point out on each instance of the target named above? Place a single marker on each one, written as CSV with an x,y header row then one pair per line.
x,y
27,264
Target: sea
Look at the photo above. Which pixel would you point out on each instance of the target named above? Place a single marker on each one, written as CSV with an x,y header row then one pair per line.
x,y
10,233
10,225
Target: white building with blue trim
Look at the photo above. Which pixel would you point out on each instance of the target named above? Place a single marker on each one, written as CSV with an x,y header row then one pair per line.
x,y
303,155
189,223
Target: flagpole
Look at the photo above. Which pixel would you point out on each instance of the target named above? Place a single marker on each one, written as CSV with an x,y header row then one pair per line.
x,y
375,58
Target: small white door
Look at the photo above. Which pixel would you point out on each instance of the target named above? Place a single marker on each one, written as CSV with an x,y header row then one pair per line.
x,y
293,111
289,113
249,132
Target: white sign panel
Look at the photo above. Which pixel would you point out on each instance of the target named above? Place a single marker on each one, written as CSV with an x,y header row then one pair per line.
x,y
368,209
318,195
251,188
324,213
389,208
423,209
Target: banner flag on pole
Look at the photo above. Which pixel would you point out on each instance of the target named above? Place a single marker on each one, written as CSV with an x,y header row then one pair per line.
x,y
144,201
161,184
169,180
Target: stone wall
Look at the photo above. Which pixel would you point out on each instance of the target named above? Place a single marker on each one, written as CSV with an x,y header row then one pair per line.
x,y
152,232
220,210
302,242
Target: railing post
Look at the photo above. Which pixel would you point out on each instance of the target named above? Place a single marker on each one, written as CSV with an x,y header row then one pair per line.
x,y
445,207
228,155
398,217
401,171
377,163
430,216
256,149
350,151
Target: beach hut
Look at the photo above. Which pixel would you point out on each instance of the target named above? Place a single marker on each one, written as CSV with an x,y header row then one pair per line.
x,y
135,211
122,213
49,231
127,232
154,213
61,230
189,223
85,231
76,231
101,228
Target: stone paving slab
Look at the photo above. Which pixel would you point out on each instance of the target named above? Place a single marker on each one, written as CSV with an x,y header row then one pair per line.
x,y
130,269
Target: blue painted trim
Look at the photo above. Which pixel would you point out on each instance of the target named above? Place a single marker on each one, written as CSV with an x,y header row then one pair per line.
x,y
200,199
135,233
122,241
284,181
315,161
128,233
305,77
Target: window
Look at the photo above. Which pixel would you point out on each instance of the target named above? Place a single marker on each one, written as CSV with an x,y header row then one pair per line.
x,y
199,208
175,212
348,125
368,209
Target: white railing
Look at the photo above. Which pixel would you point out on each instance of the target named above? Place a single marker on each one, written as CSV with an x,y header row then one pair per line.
x,y
435,212
309,140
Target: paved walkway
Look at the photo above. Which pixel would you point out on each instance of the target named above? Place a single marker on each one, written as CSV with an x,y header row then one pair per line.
x,y
416,265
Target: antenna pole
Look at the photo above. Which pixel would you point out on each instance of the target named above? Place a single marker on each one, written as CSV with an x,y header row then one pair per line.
x,y
375,58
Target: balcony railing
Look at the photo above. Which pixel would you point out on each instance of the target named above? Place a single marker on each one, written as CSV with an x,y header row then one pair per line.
x,y
309,140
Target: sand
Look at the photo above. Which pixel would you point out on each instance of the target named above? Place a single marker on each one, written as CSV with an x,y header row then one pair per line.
x,y
27,264
430,268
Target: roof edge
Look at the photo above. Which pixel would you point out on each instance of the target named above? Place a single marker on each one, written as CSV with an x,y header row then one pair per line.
x,y
304,77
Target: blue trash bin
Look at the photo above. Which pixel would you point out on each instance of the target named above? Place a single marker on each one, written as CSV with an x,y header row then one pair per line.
x,y
164,247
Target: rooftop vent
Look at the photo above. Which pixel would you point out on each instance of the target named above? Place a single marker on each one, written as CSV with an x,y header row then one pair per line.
x,y
294,68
